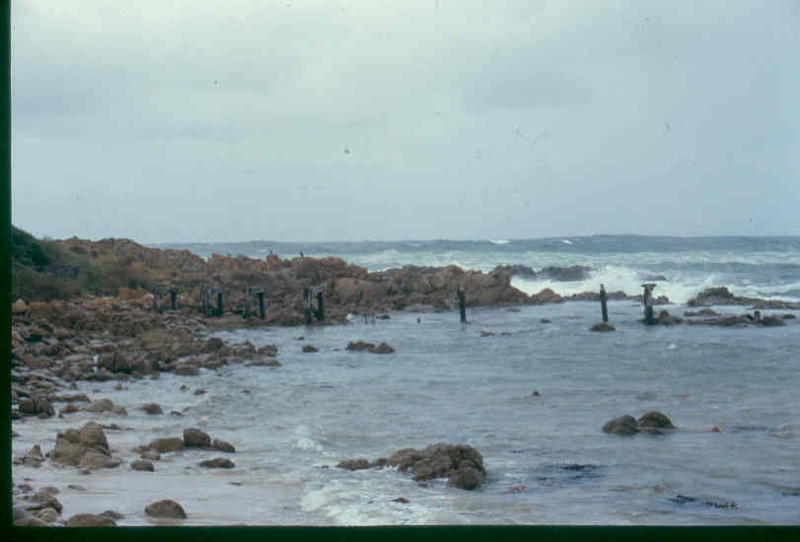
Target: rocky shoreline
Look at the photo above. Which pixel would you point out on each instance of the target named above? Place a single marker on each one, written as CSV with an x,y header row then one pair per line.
x,y
57,343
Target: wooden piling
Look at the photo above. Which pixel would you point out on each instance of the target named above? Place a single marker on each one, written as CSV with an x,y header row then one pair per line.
x,y
260,296
173,298
307,305
220,309
647,298
603,299
462,304
320,314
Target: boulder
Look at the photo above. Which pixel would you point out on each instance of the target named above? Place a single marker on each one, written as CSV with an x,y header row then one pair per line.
x,y
186,369
624,425
166,444
223,446
461,464
94,459
143,465
165,509
102,405
151,408
654,422
602,326
86,448
310,348
269,350
90,520
196,438
151,455
212,344
48,515
354,464
36,406
19,307
546,296
772,320
217,463
358,346
382,348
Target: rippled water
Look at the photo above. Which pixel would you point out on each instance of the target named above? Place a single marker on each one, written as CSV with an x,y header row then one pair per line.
x,y
547,459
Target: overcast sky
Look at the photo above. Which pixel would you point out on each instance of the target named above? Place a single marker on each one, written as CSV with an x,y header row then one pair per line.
x,y
359,119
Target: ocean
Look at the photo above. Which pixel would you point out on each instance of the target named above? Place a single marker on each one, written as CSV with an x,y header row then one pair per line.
x,y
529,388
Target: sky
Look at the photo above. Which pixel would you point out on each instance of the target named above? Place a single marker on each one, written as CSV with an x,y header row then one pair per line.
x,y
177,121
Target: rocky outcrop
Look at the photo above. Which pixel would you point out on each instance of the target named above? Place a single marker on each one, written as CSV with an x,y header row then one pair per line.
x,y
165,445
565,274
36,406
652,422
723,296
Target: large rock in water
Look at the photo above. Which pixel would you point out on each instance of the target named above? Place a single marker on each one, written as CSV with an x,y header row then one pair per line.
x,y
624,425
653,422
196,438
461,464
165,509
85,448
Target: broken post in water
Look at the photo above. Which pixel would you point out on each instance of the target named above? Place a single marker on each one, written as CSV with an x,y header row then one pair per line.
x,y
173,298
462,304
603,299
648,303
260,295
307,305
320,312
220,309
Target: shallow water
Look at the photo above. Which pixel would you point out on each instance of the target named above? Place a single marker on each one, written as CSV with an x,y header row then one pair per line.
x,y
547,459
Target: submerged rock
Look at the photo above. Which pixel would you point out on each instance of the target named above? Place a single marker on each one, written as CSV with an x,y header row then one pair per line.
x,y
354,464
461,464
602,326
218,463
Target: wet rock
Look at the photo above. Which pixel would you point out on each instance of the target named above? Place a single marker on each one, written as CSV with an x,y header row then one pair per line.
x,y
382,348
111,514
702,312
33,457
42,499
354,464
48,515
358,346
269,350
152,409
602,326
771,320
165,509
196,438
546,296
19,307
36,406
186,369
664,318
150,455
212,344
166,444
223,446
310,349
217,463
94,459
199,391
624,425
102,405
143,465
90,520
461,464
654,422
401,500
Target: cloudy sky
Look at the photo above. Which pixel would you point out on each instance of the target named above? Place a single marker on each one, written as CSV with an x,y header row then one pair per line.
x,y
299,120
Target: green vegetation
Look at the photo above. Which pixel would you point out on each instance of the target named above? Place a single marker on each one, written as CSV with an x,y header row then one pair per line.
x,y
43,270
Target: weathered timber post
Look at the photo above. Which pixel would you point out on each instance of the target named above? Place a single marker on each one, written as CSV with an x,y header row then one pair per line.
x,y
260,304
648,303
307,305
603,306
320,314
173,298
219,303
462,304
